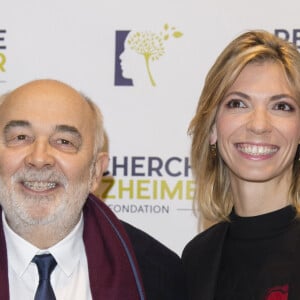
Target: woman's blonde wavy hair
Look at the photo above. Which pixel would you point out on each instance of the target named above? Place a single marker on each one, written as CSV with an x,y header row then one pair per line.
x,y
213,195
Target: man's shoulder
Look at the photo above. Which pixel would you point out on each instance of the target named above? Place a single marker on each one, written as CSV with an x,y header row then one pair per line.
x,y
145,244
161,268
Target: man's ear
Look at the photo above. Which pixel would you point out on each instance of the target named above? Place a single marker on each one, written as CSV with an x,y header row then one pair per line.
x,y
100,166
213,135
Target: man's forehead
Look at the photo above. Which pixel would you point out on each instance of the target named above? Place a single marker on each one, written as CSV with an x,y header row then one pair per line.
x,y
46,99
50,112
45,90
44,85
50,102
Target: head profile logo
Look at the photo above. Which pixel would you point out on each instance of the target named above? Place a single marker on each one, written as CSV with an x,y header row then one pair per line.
x,y
136,51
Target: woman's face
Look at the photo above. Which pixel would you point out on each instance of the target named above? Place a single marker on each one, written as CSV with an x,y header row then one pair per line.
x,y
257,126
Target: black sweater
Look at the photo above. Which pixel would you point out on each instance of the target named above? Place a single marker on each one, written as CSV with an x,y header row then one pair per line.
x,y
261,258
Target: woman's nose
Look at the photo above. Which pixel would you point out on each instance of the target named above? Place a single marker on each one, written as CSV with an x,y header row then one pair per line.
x,y
259,122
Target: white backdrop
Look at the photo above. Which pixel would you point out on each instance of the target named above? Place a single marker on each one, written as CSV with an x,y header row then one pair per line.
x,y
102,48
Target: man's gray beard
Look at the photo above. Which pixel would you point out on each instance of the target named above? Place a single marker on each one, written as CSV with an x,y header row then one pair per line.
x,y
64,216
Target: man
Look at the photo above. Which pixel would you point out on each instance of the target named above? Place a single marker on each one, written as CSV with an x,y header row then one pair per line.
x,y
51,138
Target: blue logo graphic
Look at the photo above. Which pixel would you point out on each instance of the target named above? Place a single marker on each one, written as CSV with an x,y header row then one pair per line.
x,y
121,36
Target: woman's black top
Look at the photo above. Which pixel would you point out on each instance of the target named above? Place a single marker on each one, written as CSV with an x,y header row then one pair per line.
x,y
261,258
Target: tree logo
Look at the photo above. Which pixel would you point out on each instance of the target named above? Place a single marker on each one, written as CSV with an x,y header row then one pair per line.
x,y
136,50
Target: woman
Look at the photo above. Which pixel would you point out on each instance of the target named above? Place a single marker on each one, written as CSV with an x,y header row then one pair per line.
x,y
245,160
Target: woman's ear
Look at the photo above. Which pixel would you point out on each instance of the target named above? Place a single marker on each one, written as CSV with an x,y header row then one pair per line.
x,y
213,135
100,166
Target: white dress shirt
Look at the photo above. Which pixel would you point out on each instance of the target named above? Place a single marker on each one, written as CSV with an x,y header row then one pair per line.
x,y
70,278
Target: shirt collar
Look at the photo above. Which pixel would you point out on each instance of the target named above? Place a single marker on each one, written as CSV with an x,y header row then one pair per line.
x,y
67,252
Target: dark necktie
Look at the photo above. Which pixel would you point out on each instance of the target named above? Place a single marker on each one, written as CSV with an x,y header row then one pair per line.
x,y
45,264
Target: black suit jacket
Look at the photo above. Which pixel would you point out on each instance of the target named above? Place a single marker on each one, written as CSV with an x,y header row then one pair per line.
x,y
161,269
201,259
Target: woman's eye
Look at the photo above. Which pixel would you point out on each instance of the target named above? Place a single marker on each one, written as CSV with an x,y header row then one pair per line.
x,y
284,106
235,103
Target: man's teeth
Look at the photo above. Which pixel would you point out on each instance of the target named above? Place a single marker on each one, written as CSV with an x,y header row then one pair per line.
x,y
257,150
39,185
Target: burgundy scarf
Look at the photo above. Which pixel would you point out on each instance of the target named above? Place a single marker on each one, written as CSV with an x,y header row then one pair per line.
x,y
113,270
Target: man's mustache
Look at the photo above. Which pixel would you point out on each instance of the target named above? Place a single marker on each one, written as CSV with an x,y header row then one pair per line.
x,y
46,175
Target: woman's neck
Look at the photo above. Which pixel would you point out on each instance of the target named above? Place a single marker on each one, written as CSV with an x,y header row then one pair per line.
x,y
256,198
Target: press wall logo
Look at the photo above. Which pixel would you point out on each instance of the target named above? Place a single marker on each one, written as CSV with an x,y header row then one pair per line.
x,y
147,184
137,50
2,54
289,35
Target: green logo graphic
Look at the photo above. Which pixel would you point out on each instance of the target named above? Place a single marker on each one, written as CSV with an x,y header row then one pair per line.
x,y
2,62
152,45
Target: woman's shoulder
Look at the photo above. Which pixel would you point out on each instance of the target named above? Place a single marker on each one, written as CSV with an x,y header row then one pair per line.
x,y
205,240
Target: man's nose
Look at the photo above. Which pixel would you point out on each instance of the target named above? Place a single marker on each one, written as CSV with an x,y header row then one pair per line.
x,y
39,155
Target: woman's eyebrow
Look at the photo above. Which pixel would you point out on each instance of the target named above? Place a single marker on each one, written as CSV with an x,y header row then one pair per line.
x,y
280,96
240,94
